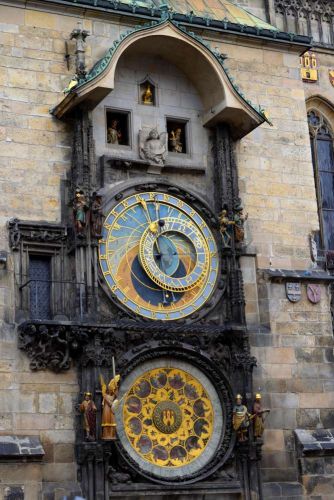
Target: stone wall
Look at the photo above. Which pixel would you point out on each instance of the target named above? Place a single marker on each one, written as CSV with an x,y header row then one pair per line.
x,y
293,342
34,158
256,7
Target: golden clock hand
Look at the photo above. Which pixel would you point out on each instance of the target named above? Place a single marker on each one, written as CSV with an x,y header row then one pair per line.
x,y
161,222
157,208
152,225
154,229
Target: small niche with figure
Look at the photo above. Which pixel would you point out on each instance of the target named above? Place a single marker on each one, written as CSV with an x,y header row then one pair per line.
x,y
147,92
118,127
177,136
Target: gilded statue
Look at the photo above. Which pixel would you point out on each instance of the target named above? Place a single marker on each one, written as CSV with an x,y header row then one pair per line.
x,y
240,419
148,95
175,141
114,135
88,410
109,405
153,146
224,228
80,207
258,416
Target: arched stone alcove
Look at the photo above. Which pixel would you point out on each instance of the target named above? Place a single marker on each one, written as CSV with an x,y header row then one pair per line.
x,y
222,100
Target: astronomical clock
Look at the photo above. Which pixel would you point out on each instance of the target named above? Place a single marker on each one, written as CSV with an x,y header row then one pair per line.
x,y
160,264
146,299
158,256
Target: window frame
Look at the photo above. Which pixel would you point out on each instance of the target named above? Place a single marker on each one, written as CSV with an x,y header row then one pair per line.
x,y
315,132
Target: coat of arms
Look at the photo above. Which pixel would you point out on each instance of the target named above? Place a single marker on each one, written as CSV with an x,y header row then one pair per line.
x,y
313,293
293,291
331,76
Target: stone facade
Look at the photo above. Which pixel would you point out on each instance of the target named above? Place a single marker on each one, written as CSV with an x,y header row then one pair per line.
x,y
293,342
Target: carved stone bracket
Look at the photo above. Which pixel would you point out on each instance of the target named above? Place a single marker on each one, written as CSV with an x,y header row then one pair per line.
x,y
21,231
51,345
55,345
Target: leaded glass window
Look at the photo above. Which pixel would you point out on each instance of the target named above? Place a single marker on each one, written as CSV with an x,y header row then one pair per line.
x,y
323,162
40,287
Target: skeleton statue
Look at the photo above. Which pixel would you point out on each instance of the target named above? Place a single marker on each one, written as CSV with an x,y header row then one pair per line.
x,y
80,36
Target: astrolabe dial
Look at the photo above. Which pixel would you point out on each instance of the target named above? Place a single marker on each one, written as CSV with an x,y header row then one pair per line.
x,y
158,256
168,417
160,259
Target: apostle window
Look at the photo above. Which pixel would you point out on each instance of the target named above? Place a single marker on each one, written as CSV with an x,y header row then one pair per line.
x,y
118,127
177,136
147,93
323,162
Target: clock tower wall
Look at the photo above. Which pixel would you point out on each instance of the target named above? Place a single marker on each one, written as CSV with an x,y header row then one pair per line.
x,y
210,162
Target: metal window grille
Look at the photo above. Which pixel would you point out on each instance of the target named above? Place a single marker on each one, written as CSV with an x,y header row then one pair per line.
x,y
40,287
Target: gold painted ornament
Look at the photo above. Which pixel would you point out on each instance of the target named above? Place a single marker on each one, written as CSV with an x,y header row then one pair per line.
x,y
331,76
308,70
168,417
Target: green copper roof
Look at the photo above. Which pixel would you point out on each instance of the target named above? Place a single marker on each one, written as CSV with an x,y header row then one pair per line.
x,y
101,65
218,10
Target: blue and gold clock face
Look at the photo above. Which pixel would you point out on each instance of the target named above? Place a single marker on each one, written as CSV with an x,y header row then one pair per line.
x,y
158,256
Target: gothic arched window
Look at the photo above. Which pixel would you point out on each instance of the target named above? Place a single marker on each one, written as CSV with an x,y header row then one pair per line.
x,y
323,161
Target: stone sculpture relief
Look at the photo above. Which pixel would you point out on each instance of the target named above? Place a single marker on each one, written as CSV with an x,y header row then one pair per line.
x,y
153,148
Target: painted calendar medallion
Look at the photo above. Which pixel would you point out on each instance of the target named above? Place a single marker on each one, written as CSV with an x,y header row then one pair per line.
x,y
171,418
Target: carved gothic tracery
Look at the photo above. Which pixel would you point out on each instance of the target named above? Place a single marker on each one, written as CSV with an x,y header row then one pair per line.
x,y
307,17
313,18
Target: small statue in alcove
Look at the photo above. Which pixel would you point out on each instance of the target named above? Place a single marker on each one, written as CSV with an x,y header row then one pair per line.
x,y
96,216
88,410
109,406
239,221
80,207
148,95
240,419
224,228
114,134
258,416
175,140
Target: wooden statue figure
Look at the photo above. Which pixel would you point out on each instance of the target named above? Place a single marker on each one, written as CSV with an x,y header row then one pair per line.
x,y
224,225
96,216
240,419
114,135
80,208
175,141
239,221
109,405
88,409
258,416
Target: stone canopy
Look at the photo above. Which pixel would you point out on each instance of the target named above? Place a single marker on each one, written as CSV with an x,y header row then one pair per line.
x,y
222,100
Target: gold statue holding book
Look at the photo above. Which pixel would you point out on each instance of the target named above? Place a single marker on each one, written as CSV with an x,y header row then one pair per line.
x,y
109,405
